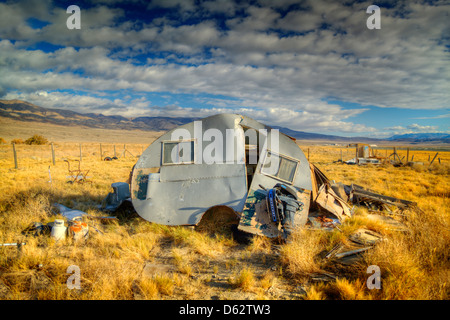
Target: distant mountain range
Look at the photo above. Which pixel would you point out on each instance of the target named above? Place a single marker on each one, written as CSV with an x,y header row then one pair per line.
x,y
25,111
422,137
301,135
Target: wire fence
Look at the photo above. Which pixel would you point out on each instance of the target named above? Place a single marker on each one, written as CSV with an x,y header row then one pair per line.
x,y
56,152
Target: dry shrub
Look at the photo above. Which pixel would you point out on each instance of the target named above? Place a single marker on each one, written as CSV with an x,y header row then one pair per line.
x,y
299,254
267,281
344,289
149,288
17,141
165,284
414,265
260,244
245,280
200,242
315,292
36,140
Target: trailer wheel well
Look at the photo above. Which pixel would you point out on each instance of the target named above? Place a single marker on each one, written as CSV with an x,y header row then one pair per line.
x,y
218,219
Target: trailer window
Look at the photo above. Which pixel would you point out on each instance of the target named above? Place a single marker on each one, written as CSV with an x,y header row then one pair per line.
x,y
178,152
285,170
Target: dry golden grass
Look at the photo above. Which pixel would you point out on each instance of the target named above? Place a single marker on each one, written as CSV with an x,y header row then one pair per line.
x,y
207,261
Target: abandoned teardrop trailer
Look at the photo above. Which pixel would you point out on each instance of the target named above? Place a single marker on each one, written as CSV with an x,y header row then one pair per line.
x,y
227,160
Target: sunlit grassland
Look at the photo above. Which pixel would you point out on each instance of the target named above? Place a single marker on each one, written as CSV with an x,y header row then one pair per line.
x,y
114,264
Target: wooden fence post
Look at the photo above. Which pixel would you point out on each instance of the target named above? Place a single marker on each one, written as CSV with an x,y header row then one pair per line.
x,y
15,156
434,158
115,151
81,157
101,152
53,154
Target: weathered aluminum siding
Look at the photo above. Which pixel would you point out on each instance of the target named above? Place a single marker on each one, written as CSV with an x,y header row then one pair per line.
x,y
180,194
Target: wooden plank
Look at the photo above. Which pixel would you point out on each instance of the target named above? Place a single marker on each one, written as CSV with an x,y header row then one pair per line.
x,y
361,193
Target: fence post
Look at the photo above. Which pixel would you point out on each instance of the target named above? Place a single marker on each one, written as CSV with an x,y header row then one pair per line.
x,y
115,151
15,156
81,157
101,152
407,155
433,158
53,154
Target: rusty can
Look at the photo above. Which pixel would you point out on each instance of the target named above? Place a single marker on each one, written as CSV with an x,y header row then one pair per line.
x,y
78,230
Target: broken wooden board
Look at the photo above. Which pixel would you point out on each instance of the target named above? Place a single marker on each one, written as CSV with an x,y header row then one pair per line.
x,y
365,237
358,195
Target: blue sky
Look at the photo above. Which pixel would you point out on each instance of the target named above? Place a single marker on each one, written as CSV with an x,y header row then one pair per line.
x,y
307,65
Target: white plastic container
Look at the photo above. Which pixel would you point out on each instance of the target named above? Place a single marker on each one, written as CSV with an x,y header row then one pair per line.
x,y
59,229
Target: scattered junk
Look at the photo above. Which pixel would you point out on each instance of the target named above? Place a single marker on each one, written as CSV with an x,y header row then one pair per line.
x,y
77,175
377,202
58,229
121,193
110,158
78,230
364,155
14,244
69,214
71,225
361,241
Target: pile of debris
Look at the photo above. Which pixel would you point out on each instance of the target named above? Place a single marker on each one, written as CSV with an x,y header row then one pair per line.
x,y
330,206
364,155
331,198
72,225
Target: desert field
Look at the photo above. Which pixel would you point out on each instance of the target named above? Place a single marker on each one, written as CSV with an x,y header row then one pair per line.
x,y
130,258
